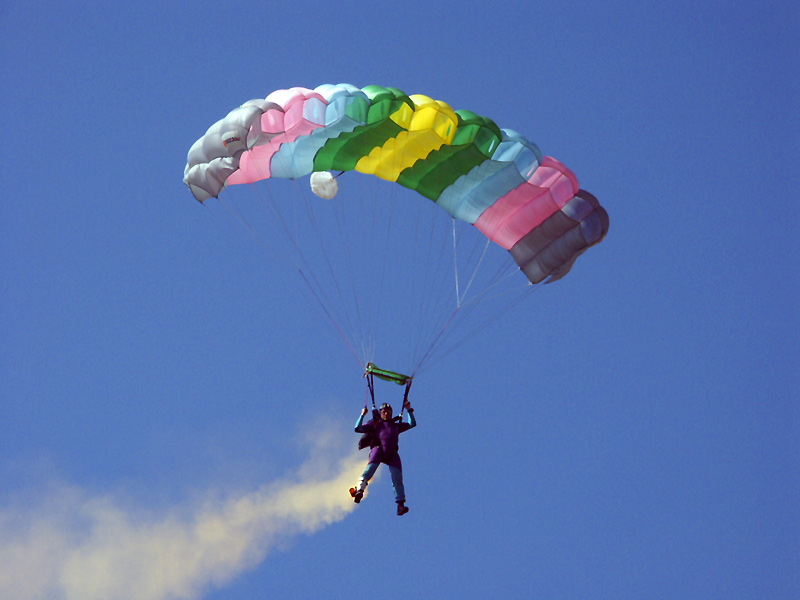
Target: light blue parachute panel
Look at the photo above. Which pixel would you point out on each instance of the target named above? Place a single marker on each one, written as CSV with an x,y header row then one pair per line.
x,y
347,109
511,165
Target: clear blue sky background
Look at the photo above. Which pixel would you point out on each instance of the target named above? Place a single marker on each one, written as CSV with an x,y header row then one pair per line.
x,y
632,431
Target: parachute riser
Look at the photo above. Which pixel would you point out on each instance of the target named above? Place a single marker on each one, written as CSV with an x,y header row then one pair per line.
x,y
405,398
370,390
370,371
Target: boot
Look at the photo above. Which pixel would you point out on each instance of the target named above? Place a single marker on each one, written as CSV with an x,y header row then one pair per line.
x,y
401,509
358,492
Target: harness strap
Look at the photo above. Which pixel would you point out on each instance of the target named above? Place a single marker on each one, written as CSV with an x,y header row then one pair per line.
x,y
405,397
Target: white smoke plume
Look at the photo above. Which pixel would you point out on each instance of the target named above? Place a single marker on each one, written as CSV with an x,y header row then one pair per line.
x,y
72,546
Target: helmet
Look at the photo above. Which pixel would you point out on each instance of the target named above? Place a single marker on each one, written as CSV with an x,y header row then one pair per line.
x,y
386,405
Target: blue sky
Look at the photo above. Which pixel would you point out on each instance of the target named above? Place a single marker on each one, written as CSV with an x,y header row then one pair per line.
x,y
176,419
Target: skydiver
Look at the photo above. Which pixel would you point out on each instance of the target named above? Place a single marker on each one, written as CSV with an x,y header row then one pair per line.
x,y
384,433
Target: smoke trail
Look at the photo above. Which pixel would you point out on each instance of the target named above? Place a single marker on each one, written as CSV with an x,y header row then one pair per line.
x,y
76,547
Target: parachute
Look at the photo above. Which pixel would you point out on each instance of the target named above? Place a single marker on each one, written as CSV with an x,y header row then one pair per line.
x,y
491,178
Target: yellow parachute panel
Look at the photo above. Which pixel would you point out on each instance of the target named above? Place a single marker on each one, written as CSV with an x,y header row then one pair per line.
x,y
430,125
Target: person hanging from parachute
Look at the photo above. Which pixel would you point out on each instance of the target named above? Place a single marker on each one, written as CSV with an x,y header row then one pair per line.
x,y
381,434
478,173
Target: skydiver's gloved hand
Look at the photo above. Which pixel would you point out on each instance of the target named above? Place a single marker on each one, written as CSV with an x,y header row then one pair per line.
x,y
407,406
364,411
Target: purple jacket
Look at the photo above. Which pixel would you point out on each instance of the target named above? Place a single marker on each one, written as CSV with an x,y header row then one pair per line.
x,y
385,433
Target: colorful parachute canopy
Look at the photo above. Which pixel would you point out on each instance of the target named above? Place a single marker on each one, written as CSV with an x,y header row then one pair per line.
x,y
492,178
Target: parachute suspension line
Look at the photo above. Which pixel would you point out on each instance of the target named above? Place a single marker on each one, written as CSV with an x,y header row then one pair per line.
x,y
502,274
244,223
456,241
474,272
237,213
429,286
484,295
530,289
318,289
362,265
284,232
370,203
476,256
416,316
340,217
488,321
445,298
302,265
432,324
290,247
460,298
455,262
300,262
332,320
344,320
427,354
358,213
440,319
420,296
326,255
436,291
384,265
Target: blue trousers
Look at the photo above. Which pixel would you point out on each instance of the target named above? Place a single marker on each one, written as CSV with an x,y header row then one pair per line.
x,y
397,479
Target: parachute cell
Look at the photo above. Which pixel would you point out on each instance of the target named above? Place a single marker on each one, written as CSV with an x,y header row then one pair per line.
x,y
492,178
